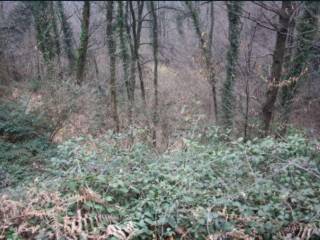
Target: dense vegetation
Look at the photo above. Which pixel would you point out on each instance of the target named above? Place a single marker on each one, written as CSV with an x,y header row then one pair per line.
x,y
210,186
159,120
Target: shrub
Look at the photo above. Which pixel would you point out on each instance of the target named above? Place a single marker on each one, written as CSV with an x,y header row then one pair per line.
x,y
23,138
263,189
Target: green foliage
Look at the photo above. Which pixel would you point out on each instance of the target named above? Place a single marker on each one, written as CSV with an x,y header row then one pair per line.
x,y
23,137
304,55
17,125
260,186
35,84
44,27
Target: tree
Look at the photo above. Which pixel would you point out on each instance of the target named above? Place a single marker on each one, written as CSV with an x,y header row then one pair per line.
x,y
155,46
84,40
136,35
112,58
67,35
307,27
46,43
206,49
2,17
277,63
247,71
228,99
56,37
124,53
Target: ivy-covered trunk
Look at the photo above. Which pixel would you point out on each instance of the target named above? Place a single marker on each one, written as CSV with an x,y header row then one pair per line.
x,y
124,53
112,58
44,30
276,69
136,28
228,98
307,27
155,46
84,40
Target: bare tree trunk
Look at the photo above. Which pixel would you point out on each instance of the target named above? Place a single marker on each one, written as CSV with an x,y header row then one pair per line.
x,y
112,57
154,28
136,34
206,48
276,69
132,76
248,73
39,75
67,35
286,69
210,67
96,68
138,37
131,86
84,40
1,12
124,56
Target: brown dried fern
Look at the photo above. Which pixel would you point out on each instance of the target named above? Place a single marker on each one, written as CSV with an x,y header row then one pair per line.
x,y
45,209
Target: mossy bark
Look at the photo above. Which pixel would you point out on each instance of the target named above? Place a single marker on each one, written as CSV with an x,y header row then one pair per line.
x,y
112,58
228,98
84,40
44,29
125,56
306,27
155,48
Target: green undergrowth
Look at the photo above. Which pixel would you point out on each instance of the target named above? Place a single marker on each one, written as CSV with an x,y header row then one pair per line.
x,y
24,142
257,188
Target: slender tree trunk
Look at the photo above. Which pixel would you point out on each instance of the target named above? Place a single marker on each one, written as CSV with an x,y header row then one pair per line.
x,y
284,117
143,91
212,77
132,75
2,16
84,40
228,98
136,34
132,85
67,35
56,36
125,57
112,57
246,119
138,37
96,68
248,73
38,66
276,69
206,48
154,28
